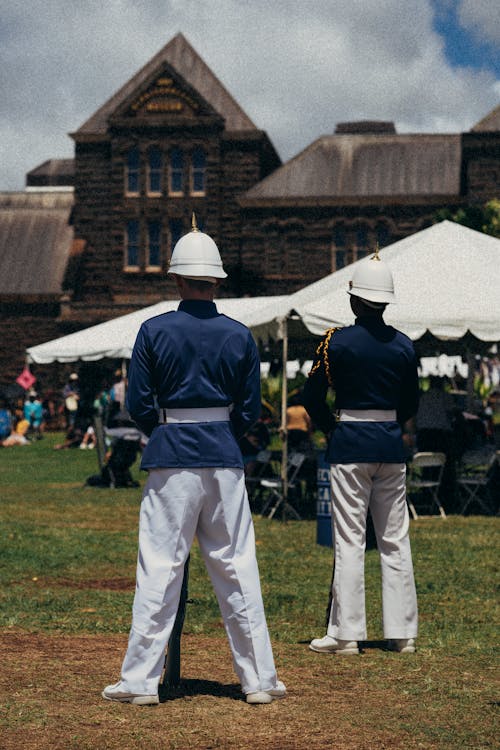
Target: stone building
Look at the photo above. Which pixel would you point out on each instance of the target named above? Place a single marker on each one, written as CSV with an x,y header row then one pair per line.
x,y
90,238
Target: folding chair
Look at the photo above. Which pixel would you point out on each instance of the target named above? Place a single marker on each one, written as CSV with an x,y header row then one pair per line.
x,y
425,473
274,488
476,480
261,466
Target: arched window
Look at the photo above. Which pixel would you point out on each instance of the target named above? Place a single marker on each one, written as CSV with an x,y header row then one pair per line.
x,y
154,246
176,172
155,163
132,172
198,172
132,244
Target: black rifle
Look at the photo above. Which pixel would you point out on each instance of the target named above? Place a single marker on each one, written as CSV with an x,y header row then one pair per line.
x,y
172,668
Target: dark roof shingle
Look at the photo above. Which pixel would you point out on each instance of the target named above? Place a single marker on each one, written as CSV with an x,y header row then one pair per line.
x,y
35,241
361,166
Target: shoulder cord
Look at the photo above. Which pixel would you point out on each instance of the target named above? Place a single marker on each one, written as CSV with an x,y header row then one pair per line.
x,y
322,355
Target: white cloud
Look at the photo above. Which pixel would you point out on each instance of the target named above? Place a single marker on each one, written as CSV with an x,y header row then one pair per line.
x,y
481,18
297,68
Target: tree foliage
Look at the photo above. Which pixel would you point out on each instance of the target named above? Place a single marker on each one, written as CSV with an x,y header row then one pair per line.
x,y
481,218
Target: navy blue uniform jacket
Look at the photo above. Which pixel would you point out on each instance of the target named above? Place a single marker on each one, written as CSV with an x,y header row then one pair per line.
x,y
369,365
193,357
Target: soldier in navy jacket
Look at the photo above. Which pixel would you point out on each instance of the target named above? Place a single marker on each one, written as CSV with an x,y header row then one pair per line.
x,y
372,369
194,389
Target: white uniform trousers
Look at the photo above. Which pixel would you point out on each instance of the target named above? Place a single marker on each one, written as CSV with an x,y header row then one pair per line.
x,y
211,503
380,486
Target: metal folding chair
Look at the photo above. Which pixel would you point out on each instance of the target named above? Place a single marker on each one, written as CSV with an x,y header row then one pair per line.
x,y
476,480
274,488
425,473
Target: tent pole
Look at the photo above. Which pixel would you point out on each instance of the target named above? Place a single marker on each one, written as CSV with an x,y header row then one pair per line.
x,y
283,430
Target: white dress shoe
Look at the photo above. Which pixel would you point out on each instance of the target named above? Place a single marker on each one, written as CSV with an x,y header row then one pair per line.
x,y
402,645
329,645
267,696
115,693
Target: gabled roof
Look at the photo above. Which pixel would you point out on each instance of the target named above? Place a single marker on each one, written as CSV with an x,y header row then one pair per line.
x,y
54,172
364,166
489,123
35,242
181,56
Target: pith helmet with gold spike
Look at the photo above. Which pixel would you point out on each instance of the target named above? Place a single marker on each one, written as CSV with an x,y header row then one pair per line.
x,y
197,256
372,280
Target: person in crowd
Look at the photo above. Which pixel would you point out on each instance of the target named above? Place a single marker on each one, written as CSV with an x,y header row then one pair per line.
x,y
299,425
71,397
299,429
50,411
73,438
89,439
5,419
33,412
19,434
372,369
118,390
194,389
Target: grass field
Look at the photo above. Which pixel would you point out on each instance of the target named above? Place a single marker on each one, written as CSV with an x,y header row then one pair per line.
x,y
67,565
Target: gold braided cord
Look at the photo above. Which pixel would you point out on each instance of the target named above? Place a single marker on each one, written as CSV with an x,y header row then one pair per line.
x,y
322,355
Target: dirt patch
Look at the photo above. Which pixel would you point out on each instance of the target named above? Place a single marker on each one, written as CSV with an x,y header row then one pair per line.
x,y
50,696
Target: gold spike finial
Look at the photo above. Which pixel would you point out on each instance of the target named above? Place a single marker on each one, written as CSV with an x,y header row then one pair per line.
x,y
376,256
194,226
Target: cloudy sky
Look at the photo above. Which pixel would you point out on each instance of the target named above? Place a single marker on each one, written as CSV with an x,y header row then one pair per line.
x,y
297,67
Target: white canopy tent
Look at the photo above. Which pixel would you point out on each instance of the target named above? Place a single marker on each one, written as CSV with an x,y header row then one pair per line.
x,y
115,338
447,282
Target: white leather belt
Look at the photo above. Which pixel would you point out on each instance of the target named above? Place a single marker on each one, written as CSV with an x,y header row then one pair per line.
x,y
192,416
368,415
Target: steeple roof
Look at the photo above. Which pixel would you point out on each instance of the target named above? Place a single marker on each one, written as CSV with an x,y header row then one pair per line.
x,y
181,56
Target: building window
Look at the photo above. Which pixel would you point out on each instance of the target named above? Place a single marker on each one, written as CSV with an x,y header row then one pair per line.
x,y
132,245
175,231
198,172
361,241
155,163
176,172
383,235
154,246
132,172
339,240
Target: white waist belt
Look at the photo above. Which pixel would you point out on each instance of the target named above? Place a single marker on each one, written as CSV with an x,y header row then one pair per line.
x,y
192,416
368,415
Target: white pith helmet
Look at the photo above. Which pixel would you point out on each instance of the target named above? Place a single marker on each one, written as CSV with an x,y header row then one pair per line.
x,y
372,280
197,256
